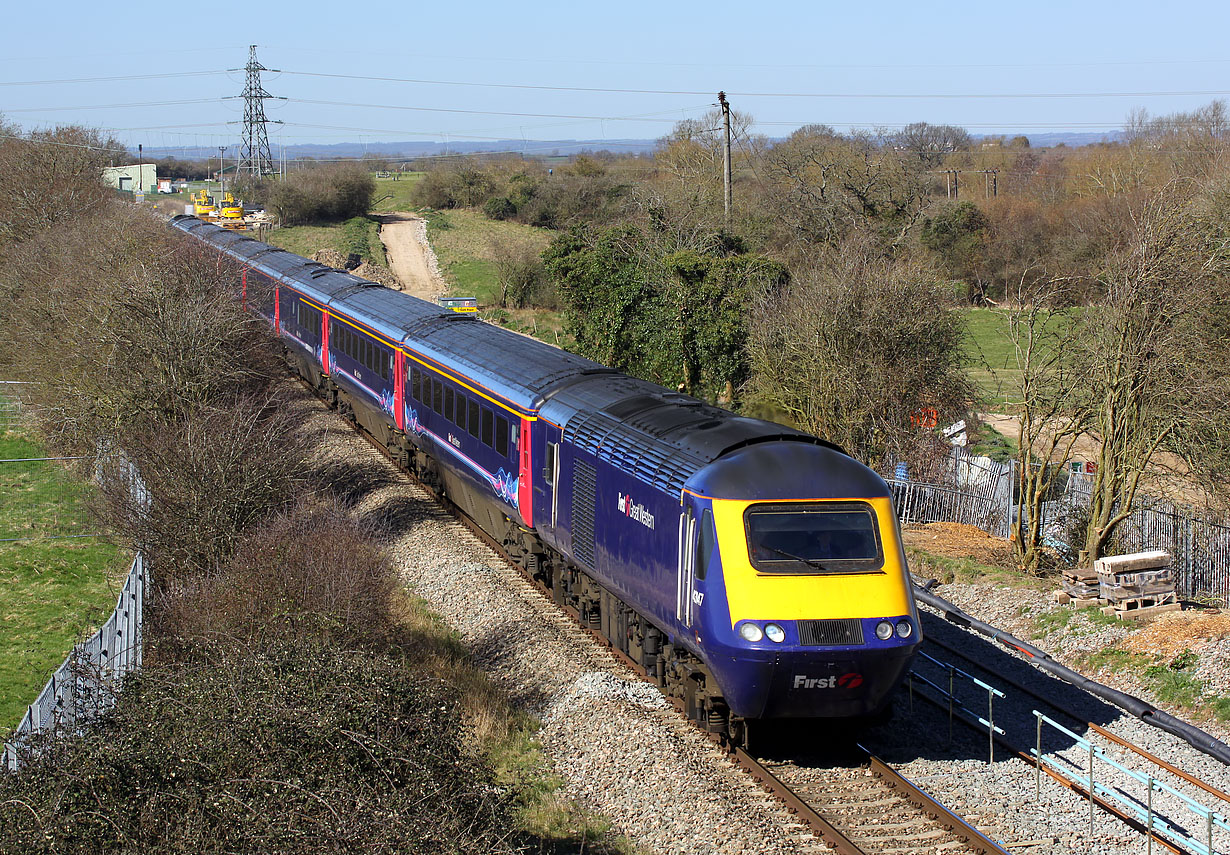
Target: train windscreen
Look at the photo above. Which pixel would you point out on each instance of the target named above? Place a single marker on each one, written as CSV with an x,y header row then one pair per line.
x,y
837,537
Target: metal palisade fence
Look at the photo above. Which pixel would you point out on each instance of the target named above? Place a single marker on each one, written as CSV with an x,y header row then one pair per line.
x,y
87,681
978,491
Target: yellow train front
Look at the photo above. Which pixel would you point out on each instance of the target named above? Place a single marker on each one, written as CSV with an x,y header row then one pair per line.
x,y
798,598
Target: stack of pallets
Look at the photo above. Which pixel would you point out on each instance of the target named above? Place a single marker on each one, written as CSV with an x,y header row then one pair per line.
x,y
1139,585
1080,588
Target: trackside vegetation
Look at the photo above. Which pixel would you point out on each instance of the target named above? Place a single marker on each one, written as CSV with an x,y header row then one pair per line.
x,y
294,697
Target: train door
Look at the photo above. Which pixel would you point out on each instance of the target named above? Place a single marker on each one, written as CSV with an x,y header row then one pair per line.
x,y
698,558
546,468
685,573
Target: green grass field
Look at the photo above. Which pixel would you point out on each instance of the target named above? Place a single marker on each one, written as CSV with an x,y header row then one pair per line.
x,y
467,244
397,192
991,358
56,591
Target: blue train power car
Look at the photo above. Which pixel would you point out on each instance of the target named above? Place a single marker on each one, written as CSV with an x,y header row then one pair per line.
x,y
755,571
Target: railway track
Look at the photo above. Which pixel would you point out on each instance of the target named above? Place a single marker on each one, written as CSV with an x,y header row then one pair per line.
x,y
862,807
868,808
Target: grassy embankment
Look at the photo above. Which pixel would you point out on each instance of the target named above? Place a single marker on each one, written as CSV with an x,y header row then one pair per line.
x,y
56,591
467,245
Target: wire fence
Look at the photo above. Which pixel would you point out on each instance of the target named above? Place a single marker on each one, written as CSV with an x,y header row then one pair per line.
x,y
43,498
980,492
88,680
13,412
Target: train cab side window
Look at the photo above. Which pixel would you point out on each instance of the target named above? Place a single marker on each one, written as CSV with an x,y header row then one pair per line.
x,y
448,403
708,542
437,394
473,420
501,436
416,384
548,464
488,427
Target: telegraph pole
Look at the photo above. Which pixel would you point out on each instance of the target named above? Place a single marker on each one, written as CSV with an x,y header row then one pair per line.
x,y
221,170
726,154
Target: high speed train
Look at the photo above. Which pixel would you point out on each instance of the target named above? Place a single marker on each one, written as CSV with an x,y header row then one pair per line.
x,y
755,571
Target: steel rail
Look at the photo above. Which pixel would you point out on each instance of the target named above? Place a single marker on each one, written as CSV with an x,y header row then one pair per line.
x,y
940,813
823,829
1118,740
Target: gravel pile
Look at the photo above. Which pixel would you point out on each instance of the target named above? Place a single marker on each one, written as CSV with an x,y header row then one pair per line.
x,y
626,754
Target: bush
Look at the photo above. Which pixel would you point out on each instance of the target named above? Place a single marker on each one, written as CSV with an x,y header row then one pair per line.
x,y
324,194
522,278
499,208
292,746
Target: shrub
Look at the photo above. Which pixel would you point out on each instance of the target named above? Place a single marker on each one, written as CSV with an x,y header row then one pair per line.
x,y
499,208
290,745
324,194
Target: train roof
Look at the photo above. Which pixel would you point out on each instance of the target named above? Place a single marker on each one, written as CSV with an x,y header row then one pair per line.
x,y
661,437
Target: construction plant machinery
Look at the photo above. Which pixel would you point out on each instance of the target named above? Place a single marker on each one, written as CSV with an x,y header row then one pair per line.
x,y
203,205
228,213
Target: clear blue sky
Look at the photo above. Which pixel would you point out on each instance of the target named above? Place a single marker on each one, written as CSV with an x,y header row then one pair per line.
x,y
877,64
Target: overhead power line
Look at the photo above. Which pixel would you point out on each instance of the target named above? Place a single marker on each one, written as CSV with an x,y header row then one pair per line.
x,y
166,76
113,106
940,95
645,117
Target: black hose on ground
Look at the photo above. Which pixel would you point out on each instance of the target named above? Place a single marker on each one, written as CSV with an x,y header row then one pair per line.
x,y
1194,736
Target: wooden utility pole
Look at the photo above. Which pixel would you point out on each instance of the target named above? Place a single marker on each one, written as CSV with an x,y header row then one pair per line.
x,y
726,154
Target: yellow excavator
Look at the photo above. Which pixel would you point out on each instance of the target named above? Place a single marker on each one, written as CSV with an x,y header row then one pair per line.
x,y
203,205
230,213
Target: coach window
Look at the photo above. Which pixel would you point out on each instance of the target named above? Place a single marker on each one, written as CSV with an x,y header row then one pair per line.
x,y
473,425
501,436
460,413
448,403
416,384
488,426
437,396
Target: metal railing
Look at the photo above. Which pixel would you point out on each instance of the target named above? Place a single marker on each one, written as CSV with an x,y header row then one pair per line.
x,y
12,411
1106,778
87,681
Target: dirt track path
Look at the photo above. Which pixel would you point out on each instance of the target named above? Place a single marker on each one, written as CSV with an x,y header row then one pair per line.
x,y
410,257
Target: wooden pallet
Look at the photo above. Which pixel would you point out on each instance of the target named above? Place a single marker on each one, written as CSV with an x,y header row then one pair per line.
x,y
1066,599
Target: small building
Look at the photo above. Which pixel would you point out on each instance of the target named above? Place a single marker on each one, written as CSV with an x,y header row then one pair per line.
x,y
134,178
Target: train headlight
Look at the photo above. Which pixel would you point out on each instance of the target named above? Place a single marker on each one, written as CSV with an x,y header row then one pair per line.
x,y
884,630
775,633
904,629
751,632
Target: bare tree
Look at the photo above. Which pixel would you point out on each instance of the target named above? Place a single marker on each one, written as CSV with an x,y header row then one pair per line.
x,y
931,143
1149,354
1052,406
854,347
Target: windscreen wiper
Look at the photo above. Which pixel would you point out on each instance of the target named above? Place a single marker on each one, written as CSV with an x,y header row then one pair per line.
x,y
810,562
